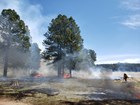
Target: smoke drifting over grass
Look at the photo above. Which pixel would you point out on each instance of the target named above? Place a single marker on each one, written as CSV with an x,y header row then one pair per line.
x,y
93,73
47,70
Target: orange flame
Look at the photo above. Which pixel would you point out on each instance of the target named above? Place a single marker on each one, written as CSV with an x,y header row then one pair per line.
x,y
137,95
66,76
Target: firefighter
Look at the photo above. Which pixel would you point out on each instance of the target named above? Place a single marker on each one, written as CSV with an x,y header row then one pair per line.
x,y
14,83
125,77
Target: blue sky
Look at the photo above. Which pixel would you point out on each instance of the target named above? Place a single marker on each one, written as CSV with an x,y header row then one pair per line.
x,y
110,27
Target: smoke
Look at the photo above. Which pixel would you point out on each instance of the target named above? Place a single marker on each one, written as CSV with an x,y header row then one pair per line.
x,y
32,15
93,73
103,80
83,66
96,82
17,61
47,70
21,62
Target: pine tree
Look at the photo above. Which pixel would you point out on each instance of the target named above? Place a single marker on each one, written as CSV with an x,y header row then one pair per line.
x,y
12,34
63,38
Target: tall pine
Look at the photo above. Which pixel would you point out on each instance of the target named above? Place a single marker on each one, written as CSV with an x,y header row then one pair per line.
x,y
62,38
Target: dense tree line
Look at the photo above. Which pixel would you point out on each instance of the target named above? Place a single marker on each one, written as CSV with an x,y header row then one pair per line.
x,y
121,67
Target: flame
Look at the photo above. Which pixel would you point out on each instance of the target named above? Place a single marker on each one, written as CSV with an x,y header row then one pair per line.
x,y
38,75
137,95
66,76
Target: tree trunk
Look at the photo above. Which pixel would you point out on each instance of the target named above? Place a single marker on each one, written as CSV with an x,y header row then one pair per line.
x,y
71,61
70,73
62,67
5,62
59,69
60,72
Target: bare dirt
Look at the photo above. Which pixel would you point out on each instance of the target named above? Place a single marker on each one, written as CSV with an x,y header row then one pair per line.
x,y
8,101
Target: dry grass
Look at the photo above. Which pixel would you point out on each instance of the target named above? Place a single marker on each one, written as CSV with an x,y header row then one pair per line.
x,y
77,91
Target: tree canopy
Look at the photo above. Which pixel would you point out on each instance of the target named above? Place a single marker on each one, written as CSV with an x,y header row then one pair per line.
x,y
15,29
63,37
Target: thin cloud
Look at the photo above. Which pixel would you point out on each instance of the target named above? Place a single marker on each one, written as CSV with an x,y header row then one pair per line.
x,y
131,4
32,16
132,21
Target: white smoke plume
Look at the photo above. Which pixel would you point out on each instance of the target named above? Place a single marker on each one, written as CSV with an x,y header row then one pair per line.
x,y
32,15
